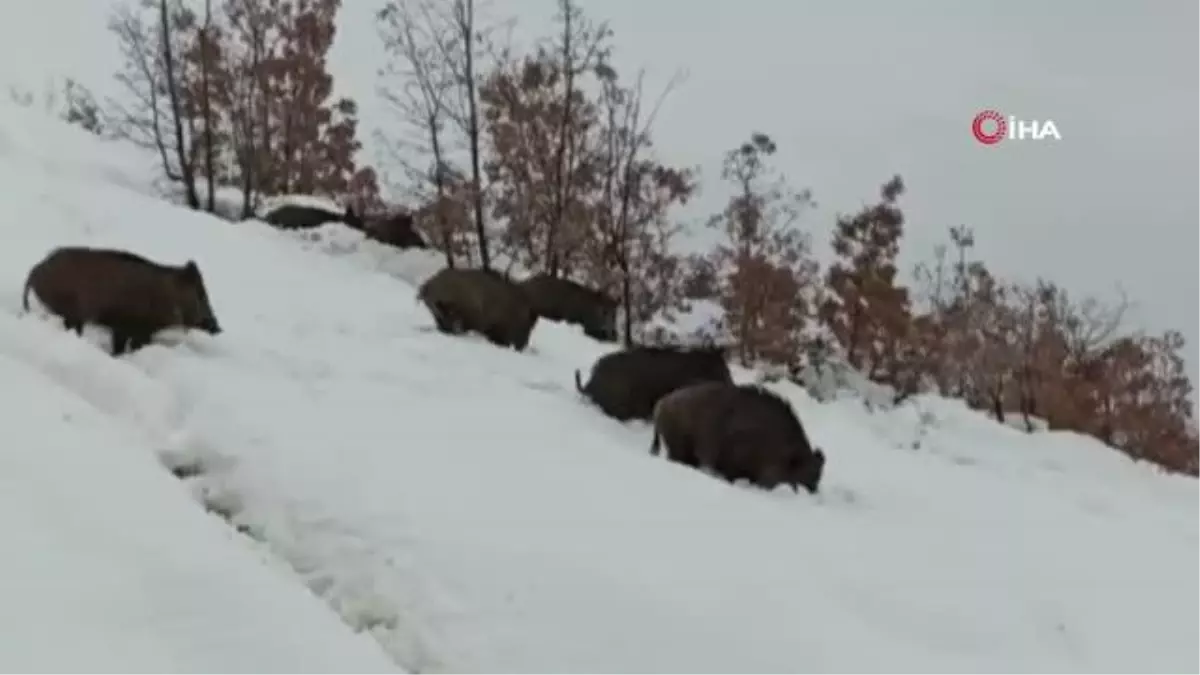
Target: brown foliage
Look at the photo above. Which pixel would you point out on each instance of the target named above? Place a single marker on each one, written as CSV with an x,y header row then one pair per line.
x,y
522,103
764,272
542,129
307,140
866,308
240,96
1035,351
446,221
1133,394
362,191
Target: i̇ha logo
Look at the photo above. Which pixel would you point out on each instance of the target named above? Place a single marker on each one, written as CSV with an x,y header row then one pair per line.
x,y
990,127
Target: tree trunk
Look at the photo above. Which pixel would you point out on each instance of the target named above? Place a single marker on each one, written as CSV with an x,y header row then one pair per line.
x,y
185,166
468,8
439,180
562,174
623,230
205,60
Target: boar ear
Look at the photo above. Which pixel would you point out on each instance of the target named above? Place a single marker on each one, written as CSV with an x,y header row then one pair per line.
x,y
191,270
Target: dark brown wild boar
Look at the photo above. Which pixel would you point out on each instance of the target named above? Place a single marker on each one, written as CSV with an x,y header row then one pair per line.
x,y
737,432
130,295
396,230
565,300
627,384
483,301
298,217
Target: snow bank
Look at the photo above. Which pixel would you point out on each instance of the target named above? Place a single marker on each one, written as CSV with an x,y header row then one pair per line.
x,y
269,204
462,505
46,144
412,265
108,565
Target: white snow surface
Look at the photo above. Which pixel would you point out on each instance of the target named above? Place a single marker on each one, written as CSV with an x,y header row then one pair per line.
x,y
109,565
269,204
463,509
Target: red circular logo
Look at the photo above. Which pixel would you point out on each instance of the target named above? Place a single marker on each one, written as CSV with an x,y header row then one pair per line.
x,y
989,119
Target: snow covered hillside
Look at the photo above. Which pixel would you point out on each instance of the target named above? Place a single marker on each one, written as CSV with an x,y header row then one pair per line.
x,y
465,508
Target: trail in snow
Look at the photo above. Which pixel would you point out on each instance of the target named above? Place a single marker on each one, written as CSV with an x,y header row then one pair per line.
x,y
108,565
462,505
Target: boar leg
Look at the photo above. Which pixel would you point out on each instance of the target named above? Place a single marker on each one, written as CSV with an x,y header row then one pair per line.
x,y
139,338
687,457
496,336
682,449
444,319
117,328
128,336
71,316
120,342
443,324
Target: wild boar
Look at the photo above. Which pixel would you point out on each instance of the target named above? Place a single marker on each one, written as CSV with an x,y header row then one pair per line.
x,y
396,230
298,217
565,300
737,432
627,384
130,295
483,301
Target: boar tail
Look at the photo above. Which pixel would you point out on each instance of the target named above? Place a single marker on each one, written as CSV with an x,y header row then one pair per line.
x,y
655,444
25,292
579,382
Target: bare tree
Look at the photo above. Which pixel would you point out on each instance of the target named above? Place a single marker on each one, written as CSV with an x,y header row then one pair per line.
x,y
207,56
950,291
582,46
241,94
153,115
460,48
254,35
636,196
1088,324
416,83
173,85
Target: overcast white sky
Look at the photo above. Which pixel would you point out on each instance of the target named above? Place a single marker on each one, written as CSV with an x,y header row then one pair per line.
x,y
855,90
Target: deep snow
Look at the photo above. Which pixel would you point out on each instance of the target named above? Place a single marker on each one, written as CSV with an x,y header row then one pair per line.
x,y
465,507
